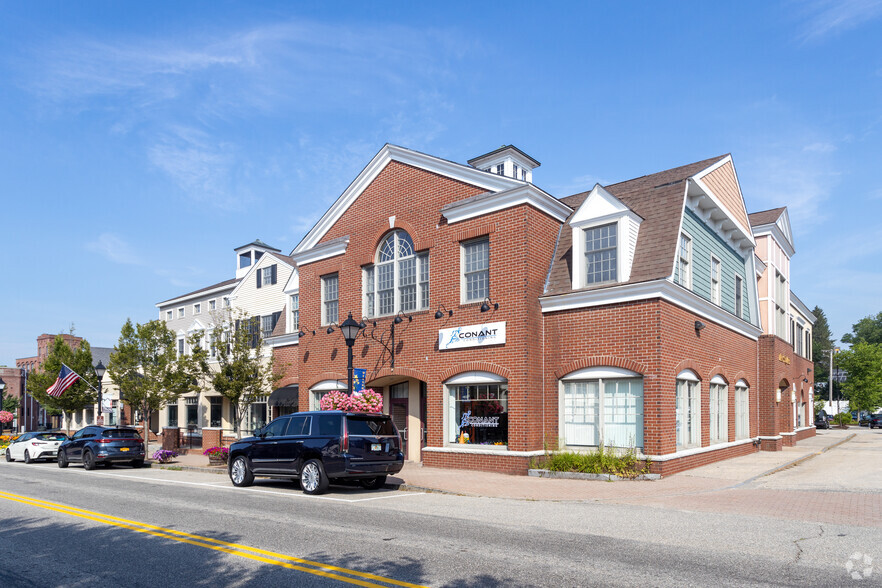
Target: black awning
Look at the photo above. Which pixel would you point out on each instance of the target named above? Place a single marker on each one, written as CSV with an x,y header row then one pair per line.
x,y
287,396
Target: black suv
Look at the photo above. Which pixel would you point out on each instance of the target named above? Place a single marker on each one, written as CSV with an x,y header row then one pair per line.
x,y
318,447
108,445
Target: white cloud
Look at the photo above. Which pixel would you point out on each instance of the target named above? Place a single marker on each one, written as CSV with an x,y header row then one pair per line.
x,y
115,249
820,147
824,18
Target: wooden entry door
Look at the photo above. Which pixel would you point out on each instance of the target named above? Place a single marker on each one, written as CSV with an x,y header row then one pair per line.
x,y
398,409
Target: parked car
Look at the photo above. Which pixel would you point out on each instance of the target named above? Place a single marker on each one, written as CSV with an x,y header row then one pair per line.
x,y
864,419
318,448
107,445
876,420
821,421
35,445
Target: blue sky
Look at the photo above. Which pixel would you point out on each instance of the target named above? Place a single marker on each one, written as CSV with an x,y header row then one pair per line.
x,y
141,142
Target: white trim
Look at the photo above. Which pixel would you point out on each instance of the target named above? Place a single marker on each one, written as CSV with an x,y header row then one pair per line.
x,y
745,231
184,298
322,251
718,379
593,373
664,289
688,375
494,202
477,450
282,340
699,450
327,386
475,377
388,153
254,267
741,384
769,438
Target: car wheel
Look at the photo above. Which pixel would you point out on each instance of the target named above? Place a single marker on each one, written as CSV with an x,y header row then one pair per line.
x,y
136,463
313,479
9,456
240,473
62,459
27,456
88,461
373,483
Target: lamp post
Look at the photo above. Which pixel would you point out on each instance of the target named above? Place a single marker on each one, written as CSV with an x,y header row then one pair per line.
x,y
2,390
350,330
99,371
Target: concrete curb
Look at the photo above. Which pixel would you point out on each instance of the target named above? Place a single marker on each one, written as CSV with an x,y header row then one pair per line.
x,y
205,469
587,476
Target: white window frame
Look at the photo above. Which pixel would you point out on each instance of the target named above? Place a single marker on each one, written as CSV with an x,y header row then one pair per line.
x,y
615,249
688,409
197,308
742,410
602,375
464,294
182,350
181,312
212,304
718,392
684,264
227,302
169,315
329,303
716,267
371,276
295,313
322,388
451,423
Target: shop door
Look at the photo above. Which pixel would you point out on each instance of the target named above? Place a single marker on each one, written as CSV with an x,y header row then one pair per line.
x,y
398,410
424,429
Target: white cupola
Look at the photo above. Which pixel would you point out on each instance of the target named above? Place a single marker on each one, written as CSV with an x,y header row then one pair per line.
x,y
508,161
247,255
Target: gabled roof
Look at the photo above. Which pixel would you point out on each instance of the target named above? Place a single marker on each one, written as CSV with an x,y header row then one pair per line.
x,y
260,263
257,243
182,297
474,160
777,223
765,217
659,200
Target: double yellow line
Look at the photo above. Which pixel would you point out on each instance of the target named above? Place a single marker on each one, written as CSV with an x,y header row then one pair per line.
x,y
277,559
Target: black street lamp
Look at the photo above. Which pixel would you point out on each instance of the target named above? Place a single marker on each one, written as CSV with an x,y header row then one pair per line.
x,y
350,330
99,371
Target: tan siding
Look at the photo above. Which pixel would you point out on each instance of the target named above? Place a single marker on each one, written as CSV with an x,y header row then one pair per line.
x,y
723,184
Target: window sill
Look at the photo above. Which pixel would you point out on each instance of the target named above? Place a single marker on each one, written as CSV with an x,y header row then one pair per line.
x,y
482,450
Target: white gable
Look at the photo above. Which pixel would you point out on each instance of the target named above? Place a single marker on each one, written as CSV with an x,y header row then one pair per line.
x,y
599,205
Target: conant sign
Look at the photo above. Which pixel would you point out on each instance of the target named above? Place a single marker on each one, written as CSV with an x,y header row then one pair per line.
x,y
471,336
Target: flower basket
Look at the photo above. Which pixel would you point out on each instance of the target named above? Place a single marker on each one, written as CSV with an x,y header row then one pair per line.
x,y
164,455
364,401
217,455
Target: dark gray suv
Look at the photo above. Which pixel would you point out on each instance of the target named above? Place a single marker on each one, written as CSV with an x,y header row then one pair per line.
x,y
107,445
318,448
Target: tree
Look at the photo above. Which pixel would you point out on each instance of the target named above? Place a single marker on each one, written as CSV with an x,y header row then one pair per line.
x,y
10,404
822,342
146,367
863,388
81,394
244,371
866,330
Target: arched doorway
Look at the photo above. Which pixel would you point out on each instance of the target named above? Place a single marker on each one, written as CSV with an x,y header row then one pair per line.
x,y
404,399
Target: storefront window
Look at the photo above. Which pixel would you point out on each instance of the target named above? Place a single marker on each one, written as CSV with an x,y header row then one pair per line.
x,y
257,414
478,414
192,411
172,415
214,419
606,411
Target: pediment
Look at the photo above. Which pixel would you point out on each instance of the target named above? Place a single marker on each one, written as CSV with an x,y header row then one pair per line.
x,y
599,205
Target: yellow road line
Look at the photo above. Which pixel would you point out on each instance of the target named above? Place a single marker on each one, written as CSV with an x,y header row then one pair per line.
x,y
261,555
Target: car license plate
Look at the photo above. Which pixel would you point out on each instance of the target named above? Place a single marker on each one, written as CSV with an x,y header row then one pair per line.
x,y
376,447
124,449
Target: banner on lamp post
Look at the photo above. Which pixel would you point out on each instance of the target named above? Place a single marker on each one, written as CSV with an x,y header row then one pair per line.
x,y
358,377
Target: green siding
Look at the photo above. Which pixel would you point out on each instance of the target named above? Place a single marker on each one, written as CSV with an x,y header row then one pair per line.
x,y
705,243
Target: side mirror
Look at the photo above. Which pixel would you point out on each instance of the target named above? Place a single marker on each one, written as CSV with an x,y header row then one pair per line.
x,y
260,433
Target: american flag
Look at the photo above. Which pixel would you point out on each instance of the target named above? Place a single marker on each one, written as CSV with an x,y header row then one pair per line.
x,y
66,379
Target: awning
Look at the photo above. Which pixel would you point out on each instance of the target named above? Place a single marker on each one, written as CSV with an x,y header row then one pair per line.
x,y
286,396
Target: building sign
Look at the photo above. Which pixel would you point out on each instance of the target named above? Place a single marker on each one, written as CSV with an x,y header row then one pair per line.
x,y
358,376
471,336
478,421
783,359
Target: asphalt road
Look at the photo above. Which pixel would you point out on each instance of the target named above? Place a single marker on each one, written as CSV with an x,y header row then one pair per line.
x,y
179,528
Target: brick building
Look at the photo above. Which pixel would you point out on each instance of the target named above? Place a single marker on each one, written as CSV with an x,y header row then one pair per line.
x,y
501,321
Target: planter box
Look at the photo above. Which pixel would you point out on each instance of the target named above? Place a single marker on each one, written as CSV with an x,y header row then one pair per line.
x,y
582,476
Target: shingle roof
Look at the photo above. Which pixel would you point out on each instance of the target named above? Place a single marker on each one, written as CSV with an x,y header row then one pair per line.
x,y
658,200
765,217
231,282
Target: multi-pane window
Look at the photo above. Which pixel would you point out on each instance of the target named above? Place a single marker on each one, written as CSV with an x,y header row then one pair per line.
x,y
212,348
181,312
214,415
719,411
295,312
226,301
212,304
266,276
524,174
742,406
330,293
798,340
172,415
267,324
715,280
180,347
197,308
739,297
399,280
500,169
169,315
604,412
192,403
600,254
688,411
514,171
684,262
476,269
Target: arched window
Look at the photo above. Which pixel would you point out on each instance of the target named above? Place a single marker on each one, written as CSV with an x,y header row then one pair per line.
x,y
742,406
477,409
602,406
398,279
719,410
688,410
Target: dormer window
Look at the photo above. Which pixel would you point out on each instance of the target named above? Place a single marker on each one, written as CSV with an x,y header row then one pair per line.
x,y
500,169
604,236
601,246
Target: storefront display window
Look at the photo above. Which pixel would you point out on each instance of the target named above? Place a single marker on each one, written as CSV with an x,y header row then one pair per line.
x,y
478,414
603,410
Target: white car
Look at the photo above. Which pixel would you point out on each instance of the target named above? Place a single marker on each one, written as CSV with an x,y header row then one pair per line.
x,y
33,446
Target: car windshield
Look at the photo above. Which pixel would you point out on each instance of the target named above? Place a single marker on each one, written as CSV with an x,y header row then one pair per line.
x,y
120,434
370,426
52,436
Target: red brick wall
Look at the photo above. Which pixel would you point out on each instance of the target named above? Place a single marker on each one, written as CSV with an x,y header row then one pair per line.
x,y
780,366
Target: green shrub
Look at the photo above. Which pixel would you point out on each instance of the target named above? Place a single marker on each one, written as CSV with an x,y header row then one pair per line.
x,y
622,463
843,418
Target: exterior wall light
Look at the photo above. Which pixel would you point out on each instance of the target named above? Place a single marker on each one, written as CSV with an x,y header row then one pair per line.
x,y
698,327
485,306
399,318
302,333
439,314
